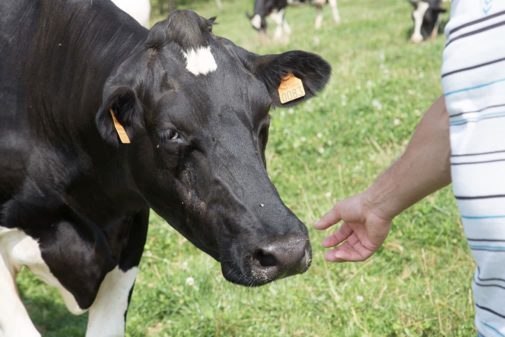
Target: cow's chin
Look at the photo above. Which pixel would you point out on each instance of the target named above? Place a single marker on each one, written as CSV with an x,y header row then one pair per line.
x,y
236,276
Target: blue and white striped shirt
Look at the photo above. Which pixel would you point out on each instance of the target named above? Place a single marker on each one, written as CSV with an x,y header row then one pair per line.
x,y
473,79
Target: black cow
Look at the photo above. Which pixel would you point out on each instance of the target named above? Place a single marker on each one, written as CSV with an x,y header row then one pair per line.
x,y
79,81
426,17
276,10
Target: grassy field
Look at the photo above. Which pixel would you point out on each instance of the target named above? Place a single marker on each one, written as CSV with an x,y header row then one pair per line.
x,y
418,284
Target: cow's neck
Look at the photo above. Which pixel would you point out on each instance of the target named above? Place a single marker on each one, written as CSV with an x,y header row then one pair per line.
x,y
75,48
77,45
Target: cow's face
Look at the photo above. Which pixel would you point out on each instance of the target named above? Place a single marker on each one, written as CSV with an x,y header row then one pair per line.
x,y
196,108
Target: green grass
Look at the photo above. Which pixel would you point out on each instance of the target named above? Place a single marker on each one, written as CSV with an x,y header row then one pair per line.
x,y
418,284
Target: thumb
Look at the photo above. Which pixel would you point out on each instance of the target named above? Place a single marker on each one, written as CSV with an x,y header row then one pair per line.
x,y
330,218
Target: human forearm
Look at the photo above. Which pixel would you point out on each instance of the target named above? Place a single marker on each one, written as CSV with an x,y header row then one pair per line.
x,y
423,168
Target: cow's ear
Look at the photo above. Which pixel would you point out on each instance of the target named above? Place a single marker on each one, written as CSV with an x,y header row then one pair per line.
x,y
292,77
119,116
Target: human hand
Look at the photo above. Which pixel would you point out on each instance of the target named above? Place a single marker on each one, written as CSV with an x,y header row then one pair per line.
x,y
362,232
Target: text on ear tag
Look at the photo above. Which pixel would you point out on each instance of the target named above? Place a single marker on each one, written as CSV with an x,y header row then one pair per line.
x,y
121,132
291,88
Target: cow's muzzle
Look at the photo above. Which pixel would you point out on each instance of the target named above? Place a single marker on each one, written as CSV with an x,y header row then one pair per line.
x,y
271,260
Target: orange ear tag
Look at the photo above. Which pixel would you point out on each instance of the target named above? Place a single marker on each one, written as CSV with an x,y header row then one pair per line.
x,y
121,132
291,88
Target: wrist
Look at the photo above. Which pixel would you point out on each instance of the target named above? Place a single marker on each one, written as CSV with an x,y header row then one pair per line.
x,y
379,200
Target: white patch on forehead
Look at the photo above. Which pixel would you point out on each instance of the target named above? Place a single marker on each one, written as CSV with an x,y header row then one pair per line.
x,y
256,21
200,61
20,250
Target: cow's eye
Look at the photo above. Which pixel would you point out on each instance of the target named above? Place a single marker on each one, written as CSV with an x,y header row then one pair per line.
x,y
170,135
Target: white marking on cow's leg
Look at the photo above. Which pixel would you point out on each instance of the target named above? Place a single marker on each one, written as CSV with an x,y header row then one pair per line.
x,y
335,12
278,18
14,319
418,16
200,61
286,27
23,250
107,314
256,21
319,17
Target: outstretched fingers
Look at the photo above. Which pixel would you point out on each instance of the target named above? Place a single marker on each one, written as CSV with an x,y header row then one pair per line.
x,y
329,219
338,237
347,252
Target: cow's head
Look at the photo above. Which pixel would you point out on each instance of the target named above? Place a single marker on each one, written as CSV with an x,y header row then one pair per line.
x,y
196,109
426,17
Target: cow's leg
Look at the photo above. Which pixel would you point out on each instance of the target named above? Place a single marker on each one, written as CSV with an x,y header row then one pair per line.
x,y
14,319
418,16
434,33
107,314
285,26
319,17
334,11
282,26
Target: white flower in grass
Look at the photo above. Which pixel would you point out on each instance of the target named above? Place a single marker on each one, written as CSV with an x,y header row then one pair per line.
x,y
190,282
359,298
377,104
396,122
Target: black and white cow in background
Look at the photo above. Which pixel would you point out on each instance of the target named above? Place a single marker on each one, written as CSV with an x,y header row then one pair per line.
x,y
79,80
276,10
426,17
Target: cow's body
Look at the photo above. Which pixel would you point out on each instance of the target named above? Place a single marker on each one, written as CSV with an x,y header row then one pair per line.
x,y
276,9
74,201
63,196
140,10
426,17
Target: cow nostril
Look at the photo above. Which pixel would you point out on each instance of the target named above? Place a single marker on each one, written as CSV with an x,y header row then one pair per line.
x,y
265,259
284,256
